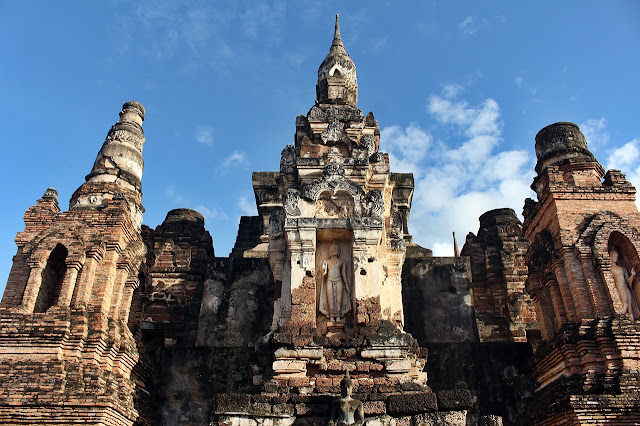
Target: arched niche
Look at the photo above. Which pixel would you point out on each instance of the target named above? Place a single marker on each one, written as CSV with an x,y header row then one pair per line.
x,y
628,262
52,278
628,253
343,239
603,231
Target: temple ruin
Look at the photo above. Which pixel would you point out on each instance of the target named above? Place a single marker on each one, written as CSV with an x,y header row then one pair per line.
x,y
326,311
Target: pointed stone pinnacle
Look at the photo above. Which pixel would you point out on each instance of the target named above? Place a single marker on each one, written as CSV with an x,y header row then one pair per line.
x,y
337,45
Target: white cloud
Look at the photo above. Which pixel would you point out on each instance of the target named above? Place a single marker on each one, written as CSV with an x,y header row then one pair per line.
x,y
447,111
235,159
178,201
452,90
518,80
411,144
625,157
595,133
247,207
175,198
459,171
468,26
204,135
210,213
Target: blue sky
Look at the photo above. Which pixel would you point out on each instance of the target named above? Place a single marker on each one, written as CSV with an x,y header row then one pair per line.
x,y
459,88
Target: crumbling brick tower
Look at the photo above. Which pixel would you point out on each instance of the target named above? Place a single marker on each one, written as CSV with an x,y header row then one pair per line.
x,y
66,353
587,367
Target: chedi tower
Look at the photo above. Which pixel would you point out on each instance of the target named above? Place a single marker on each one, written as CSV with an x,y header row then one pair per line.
x,y
335,231
67,353
585,238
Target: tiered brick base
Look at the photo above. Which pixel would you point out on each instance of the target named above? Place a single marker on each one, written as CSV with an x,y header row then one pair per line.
x,y
385,365
593,373
408,408
49,376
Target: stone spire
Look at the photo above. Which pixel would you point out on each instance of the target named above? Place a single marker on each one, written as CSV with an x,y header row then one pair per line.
x,y
337,45
117,172
120,158
337,81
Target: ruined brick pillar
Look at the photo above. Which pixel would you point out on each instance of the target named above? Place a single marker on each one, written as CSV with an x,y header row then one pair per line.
x,y
587,367
66,353
504,312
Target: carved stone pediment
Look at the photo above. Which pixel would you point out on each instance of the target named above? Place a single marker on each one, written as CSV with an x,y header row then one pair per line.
x,y
333,181
316,114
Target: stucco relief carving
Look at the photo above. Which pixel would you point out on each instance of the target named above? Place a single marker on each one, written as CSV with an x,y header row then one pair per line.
x,y
395,222
316,114
334,132
50,193
376,157
344,113
367,142
276,225
288,160
331,205
291,207
165,292
374,203
396,234
125,136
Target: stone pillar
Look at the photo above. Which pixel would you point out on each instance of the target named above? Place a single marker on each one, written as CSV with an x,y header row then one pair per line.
x,y
302,244
367,281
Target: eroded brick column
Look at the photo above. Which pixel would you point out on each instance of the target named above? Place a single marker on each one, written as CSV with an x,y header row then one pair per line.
x,y
105,279
33,286
130,286
87,276
69,282
577,285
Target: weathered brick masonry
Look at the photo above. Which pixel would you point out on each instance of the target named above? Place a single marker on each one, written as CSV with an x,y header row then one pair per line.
x,y
587,367
67,354
107,322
